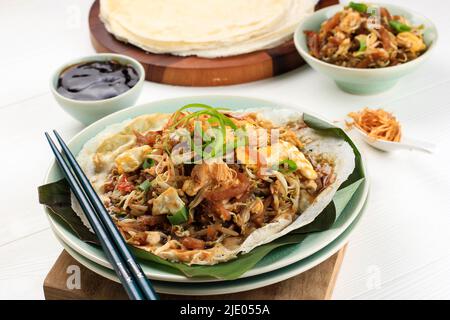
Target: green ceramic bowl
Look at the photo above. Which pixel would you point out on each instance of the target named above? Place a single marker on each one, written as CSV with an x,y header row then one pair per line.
x,y
90,111
364,81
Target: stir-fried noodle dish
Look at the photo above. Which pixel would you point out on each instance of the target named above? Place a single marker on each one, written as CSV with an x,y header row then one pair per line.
x,y
364,36
203,184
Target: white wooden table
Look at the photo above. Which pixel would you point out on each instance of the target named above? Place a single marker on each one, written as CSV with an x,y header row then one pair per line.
x,y
402,246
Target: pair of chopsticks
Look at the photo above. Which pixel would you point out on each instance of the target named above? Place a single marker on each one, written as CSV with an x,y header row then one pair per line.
x,y
127,269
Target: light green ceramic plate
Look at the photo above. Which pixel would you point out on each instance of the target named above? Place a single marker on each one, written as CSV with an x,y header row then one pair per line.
x,y
278,258
225,287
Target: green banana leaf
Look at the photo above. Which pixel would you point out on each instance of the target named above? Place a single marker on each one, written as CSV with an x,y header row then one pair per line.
x,y
56,197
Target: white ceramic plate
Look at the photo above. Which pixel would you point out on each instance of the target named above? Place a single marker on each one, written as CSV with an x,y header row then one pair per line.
x,y
239,285
276,259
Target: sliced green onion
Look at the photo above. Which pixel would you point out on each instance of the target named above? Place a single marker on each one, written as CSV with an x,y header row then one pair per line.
x,y
211,111
208,149
362,45
198,133
292,166
198,106
179,217
360,7
216,117
148,163
229,122
213,120
144,186
399,27
213,149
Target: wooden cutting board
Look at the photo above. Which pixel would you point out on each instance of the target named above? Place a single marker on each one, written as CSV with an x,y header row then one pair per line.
x,y
194,71
314,284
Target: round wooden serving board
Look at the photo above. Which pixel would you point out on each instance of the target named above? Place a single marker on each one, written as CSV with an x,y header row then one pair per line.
x,y
195,71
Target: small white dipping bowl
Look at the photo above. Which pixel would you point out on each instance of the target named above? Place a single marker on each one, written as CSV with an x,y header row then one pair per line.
x,y
364,81
90,111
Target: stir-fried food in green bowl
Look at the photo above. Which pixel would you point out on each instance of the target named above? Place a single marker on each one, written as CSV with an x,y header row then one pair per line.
x,y
365,36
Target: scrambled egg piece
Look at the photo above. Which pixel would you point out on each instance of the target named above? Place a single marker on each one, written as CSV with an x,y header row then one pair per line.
x,y
110,148
343,48
167,202
272,155
350,22
132,159
411,41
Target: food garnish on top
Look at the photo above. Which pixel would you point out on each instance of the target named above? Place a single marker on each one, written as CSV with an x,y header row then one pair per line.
x,y
366,36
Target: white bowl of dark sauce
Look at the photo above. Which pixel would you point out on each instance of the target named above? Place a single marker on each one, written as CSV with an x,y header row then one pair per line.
x,y
90,88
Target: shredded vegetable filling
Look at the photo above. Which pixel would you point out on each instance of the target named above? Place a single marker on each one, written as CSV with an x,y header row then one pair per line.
x,y
160,198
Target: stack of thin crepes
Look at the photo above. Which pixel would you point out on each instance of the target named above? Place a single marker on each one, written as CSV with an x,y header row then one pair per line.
x,y
205,28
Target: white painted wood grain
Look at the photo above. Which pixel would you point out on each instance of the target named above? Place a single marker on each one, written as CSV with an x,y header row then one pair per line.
x,y
24,264
400,250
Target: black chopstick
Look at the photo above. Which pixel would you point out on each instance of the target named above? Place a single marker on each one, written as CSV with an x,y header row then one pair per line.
x,y
128,271
110,227
114,257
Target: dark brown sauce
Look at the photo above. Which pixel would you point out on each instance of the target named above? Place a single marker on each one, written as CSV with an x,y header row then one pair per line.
x,y
97,80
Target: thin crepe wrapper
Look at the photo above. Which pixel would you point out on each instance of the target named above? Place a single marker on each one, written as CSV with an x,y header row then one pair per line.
x,y
56,197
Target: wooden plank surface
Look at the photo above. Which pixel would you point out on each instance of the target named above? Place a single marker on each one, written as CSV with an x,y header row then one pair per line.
x,y
314,284
195,71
